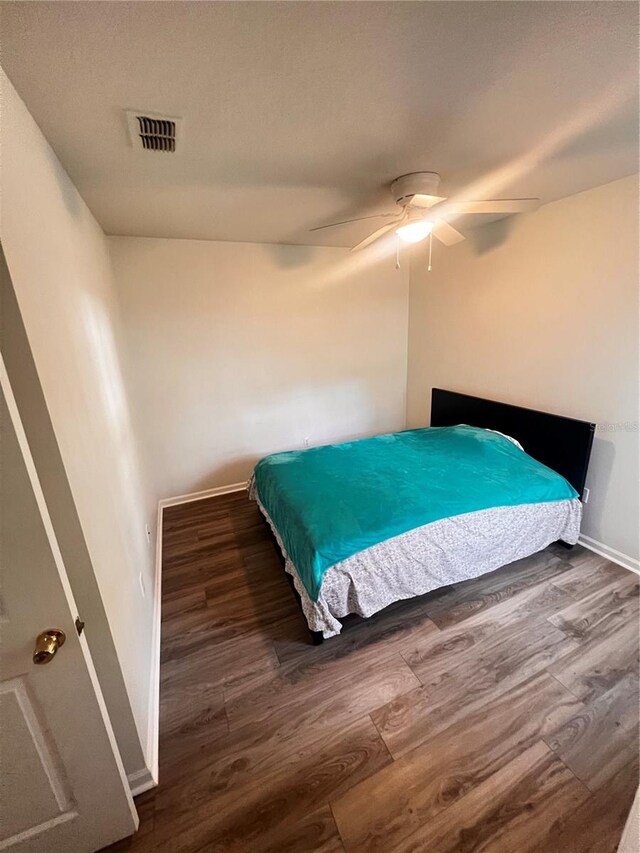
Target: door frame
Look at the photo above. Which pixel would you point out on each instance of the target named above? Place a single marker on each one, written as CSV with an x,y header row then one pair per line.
x,y
16,422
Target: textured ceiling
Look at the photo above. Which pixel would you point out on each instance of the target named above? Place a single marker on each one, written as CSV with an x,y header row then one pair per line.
x,y
298,113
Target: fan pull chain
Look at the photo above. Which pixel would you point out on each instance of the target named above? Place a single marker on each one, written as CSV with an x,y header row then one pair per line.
x,y
397,253
430,247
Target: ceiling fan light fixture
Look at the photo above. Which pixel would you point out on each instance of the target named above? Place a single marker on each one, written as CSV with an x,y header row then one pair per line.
x,y
414,232
422,213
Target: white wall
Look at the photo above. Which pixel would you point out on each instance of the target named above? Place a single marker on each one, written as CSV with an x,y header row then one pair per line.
x,y
59,263
242,349
543,312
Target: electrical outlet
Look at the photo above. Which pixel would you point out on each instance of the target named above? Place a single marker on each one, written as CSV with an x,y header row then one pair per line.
x,y
147,530
585,496
141,582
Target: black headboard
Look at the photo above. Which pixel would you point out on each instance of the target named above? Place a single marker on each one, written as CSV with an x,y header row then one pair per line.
x,y
563,444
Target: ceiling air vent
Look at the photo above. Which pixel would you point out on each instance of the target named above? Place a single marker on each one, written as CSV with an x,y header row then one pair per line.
x,y
153,132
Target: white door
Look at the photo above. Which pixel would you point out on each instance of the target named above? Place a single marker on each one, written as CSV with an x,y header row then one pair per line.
x,y
62,785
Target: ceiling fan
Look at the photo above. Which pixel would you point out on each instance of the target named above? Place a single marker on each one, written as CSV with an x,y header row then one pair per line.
x,y
423,213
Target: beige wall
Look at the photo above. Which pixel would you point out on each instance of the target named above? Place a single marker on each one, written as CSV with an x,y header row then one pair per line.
x,y
59,263
544,314
242,349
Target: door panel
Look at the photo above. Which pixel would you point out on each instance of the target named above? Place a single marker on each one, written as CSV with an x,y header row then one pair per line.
x,y
62,784
38,795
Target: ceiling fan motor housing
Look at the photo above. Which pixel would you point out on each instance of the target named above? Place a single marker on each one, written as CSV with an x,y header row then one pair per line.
x,y
415,183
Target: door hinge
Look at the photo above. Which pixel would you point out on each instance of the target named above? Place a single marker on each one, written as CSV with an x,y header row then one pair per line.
x,y
79,625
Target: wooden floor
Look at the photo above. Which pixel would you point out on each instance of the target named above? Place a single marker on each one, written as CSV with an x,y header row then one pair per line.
x,y
497,715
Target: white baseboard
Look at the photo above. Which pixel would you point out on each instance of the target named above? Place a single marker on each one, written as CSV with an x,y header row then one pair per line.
x,y
153,732
618,557
141,781
206,493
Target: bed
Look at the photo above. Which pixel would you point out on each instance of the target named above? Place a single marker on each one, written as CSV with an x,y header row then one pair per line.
x,y
363,524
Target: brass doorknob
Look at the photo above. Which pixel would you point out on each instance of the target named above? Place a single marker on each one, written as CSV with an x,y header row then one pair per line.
x,y
47,644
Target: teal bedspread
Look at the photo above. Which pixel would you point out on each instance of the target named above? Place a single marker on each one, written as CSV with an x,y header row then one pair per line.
x,y
328,503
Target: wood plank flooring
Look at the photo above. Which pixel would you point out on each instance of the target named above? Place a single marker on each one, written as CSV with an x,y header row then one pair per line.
x,y
499,714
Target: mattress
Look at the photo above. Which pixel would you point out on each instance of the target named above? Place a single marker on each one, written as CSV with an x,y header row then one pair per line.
x,y
363,524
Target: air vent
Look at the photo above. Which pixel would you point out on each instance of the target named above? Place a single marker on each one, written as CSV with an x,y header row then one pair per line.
x,y
157,134
152,132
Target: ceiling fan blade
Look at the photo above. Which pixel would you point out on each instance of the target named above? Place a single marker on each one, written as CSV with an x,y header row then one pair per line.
x,y
377,234
446,233
357,219
421,200
495,205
